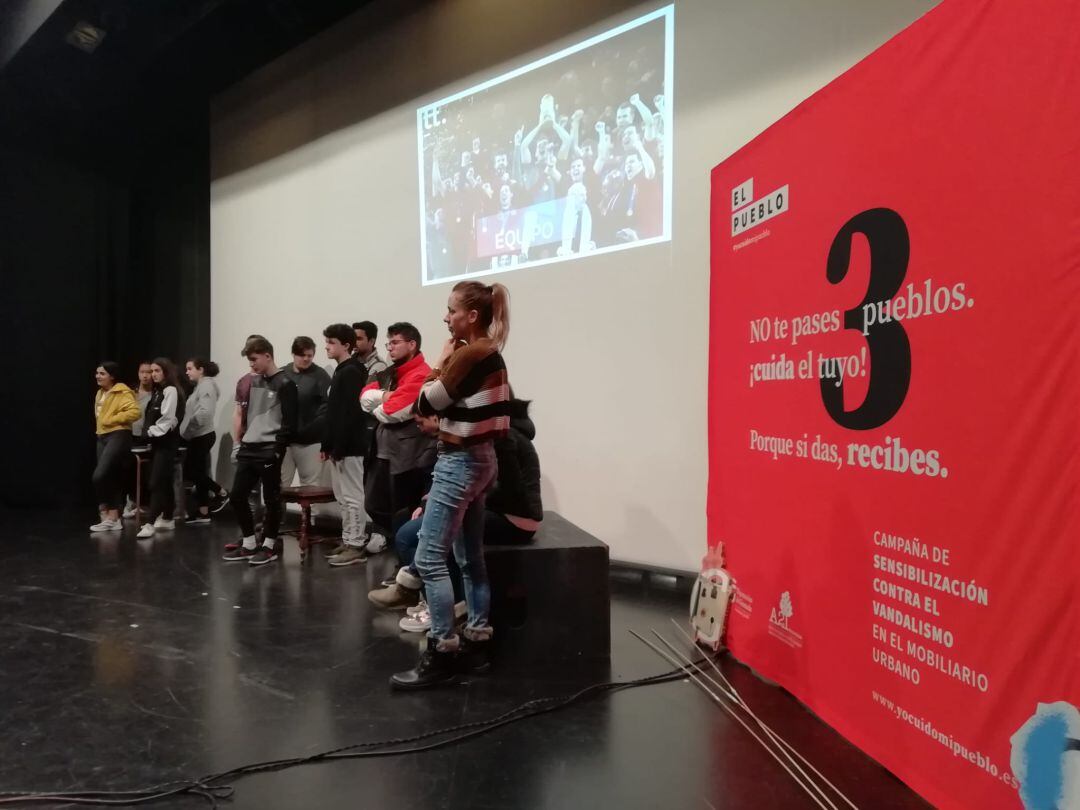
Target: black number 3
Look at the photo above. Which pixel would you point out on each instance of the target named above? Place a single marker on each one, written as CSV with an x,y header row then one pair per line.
x,y
887,343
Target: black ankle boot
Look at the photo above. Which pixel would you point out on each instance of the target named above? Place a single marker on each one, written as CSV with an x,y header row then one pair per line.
x,y
433,668
474,657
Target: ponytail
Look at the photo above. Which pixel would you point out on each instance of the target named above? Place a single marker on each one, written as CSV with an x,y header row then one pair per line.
x,y
493,306
499,330
208,367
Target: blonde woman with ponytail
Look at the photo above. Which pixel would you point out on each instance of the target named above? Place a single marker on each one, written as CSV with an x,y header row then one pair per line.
x,y
469,392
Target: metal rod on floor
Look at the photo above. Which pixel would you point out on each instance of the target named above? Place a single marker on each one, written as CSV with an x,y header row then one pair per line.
x,y
742,705
739,700
674,662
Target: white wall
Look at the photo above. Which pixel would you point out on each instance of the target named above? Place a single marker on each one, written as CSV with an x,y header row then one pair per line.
x,y
612,349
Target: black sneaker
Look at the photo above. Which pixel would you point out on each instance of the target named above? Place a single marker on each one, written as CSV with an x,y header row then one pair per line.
x,y
237,553
263,555
433,669
220,502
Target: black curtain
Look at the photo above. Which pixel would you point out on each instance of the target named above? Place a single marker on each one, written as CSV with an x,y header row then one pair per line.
x,y
104,254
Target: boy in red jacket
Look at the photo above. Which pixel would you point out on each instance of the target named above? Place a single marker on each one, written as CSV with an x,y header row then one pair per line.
x,y
405,453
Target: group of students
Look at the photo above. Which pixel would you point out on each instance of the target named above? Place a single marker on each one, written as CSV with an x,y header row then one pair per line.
x,y
155,420
438,456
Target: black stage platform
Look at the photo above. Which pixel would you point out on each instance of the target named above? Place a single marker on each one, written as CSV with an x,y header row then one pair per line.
x,y
128,663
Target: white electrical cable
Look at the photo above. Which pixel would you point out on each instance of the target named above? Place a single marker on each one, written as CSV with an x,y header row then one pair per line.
x,y
742,703
674,662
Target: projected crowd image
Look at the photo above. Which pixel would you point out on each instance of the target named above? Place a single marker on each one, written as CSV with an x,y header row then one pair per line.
x,y
560,160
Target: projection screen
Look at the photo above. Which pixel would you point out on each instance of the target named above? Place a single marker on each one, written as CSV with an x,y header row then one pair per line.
x,y
559,159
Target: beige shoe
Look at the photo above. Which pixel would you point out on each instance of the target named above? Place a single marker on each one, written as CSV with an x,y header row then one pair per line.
x,y
396,597
340,547
350,556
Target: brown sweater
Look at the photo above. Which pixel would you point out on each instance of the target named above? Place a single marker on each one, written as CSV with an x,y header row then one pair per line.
x,y
470,395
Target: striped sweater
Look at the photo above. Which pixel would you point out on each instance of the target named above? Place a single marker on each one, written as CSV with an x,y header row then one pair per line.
x,y
470,395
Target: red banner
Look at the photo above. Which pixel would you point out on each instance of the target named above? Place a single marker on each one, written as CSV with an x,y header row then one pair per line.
x,y
894,396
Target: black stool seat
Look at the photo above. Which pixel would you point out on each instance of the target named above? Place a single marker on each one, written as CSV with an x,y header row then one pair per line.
x,y
550,599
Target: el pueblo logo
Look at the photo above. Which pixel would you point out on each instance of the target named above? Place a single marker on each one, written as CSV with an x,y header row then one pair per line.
x,y
780,622
747,213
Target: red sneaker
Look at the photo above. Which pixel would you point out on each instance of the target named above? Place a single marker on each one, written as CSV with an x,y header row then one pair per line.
x,y
237,553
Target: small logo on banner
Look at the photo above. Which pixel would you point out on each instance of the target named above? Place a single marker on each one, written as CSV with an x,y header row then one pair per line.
x,y
780,622
748,213
1045,757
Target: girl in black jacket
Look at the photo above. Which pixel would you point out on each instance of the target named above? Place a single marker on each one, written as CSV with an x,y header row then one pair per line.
x,y
163,415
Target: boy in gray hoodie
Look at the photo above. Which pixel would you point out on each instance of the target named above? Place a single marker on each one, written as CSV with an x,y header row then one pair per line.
x,y
271,425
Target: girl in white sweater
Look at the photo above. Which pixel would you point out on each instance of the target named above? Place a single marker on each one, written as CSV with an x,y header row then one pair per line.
x,y
197,431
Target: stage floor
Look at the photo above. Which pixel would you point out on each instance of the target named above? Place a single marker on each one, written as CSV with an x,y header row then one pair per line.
x,y
125,664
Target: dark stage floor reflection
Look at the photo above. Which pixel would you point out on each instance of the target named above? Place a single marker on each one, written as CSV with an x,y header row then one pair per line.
x,y
129,663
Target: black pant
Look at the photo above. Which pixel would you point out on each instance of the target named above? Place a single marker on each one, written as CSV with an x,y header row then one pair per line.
x,y
387,496
162,460
249,473
407,489
113,450
197,468
378,502
498,531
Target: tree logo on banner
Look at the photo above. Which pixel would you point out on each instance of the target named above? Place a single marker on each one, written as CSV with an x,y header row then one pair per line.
x,y
1046,758
785,609
780,622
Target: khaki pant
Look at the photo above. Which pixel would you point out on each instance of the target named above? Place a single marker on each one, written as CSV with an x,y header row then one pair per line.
x,y
347,477
302,459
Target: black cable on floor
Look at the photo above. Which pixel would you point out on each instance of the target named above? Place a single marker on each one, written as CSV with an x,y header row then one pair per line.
x,y
209,790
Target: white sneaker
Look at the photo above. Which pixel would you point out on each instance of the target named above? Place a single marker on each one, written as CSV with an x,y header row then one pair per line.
x,y
375,543
161,523
107,526
416,609
146,532
129,512
420,623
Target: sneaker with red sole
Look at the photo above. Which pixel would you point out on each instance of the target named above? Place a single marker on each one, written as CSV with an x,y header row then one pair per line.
x,y
263,555
238,553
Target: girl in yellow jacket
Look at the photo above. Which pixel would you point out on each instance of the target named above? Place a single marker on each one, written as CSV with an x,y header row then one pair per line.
x,y
115,409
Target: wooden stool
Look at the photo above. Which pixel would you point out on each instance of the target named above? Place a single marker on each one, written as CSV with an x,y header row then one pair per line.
x,y
306,496
142,455
180,498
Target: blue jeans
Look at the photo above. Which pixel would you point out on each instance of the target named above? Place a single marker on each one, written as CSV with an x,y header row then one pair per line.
x,y
454,518
405,542
497,531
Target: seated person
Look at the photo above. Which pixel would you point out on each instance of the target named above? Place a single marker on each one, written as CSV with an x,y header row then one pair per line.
x,y
512,514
